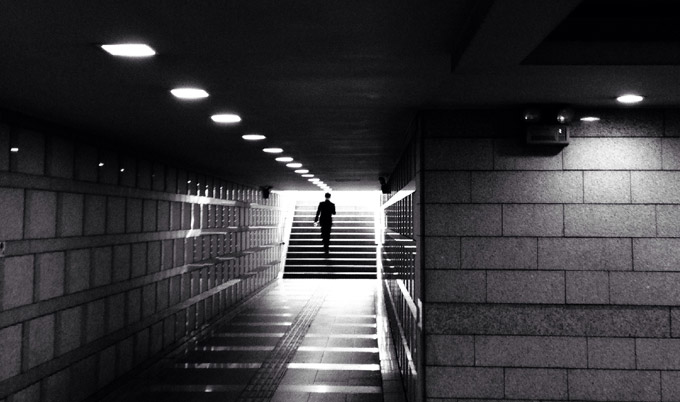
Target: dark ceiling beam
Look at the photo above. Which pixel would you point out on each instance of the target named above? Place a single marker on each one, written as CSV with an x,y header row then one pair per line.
x,y
603,53
476,11
501,33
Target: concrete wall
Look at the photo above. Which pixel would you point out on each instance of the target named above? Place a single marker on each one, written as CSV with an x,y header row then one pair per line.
x,y
552,275
104,267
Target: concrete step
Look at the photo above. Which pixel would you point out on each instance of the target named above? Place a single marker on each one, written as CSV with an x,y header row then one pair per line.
x,y
316,233
335,248
330,268
338,210
327,275
348,217
361,231
334,241
330,260
318,253
336,223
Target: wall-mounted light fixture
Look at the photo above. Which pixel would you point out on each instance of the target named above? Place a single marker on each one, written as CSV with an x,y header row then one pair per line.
x,y
547,124
266,190
384,185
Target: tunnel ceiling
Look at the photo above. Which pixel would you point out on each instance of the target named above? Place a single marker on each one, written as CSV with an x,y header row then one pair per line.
x,y
333,83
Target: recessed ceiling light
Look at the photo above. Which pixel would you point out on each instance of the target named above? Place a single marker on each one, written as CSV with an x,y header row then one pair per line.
x,y
253,137
307,175
129,50
227,118
101,164
273,150
284,159
590,118
14,149
314,180
630,98
122,170
302,171
189,93
294,165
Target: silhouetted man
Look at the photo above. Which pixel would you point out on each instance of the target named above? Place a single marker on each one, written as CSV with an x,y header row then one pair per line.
x,y
324,215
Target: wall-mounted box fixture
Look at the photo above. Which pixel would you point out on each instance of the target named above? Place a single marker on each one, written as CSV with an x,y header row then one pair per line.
x,y
540,134
547,124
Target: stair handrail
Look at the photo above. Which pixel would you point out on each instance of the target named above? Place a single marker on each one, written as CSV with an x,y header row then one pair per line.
x,y
288,212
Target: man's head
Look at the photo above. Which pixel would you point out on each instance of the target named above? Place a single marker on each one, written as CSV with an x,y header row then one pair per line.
x,y
327,195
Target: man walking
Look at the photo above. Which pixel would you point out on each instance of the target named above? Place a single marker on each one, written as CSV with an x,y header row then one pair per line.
x,y
324,215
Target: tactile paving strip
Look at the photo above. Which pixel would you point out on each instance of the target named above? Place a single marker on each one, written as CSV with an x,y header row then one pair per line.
x,y
266,380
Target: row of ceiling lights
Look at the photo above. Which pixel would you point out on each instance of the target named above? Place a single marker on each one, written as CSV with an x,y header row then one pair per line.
x,y
194,93
626,99
142,50
565,115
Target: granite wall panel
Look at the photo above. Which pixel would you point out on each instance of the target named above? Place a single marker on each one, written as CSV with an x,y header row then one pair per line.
x,y
527,187
613,154
581,280
498,253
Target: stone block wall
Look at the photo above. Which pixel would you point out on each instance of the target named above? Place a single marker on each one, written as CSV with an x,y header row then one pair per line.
x,y
108,260
551,274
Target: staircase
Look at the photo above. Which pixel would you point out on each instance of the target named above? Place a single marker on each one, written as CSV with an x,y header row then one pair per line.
x,y
352,251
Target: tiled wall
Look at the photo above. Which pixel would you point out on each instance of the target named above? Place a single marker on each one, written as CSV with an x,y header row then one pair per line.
x,y
552,275
108,260
400,267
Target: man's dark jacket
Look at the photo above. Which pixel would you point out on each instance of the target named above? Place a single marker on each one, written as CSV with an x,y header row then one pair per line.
x,y
324,213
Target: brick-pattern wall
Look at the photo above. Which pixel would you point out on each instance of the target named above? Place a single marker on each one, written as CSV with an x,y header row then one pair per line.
x,y
552,274
107,260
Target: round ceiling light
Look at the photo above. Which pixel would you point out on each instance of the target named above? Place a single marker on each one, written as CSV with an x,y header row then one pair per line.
x,y
129,49
284,159
307,175
294,165
272,150
302,171
189,93
630,98
253,137
226,118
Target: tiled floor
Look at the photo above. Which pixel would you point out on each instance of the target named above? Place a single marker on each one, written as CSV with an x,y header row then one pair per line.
x,y
302,340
